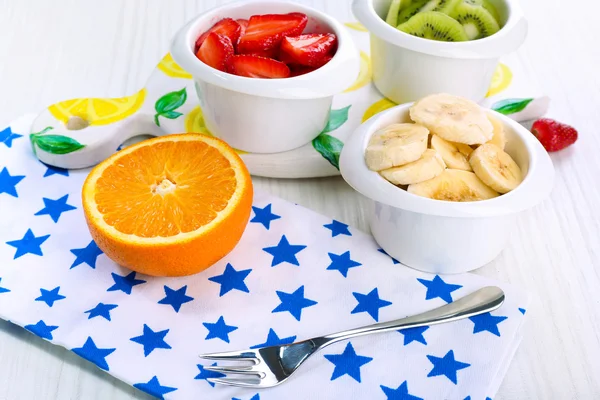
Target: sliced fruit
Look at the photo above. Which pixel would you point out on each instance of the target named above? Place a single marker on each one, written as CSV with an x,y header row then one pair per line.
x,y
226,27
499,138
453,118
265,32
297,70
172,69
453,185
98,111
434,25
243,24
419,6
476,20
216,51
393,11
169,206
464,149
488,6
365,74
396,145
258,67
311,49
500,80
554,135
495,168
425,168
450,154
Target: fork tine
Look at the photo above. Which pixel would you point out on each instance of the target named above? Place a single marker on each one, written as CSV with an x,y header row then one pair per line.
x,y
235,382
247,355
234,370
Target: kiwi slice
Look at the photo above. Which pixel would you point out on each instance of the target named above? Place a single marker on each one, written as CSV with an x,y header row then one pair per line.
x,y
488,6
392,16
434,25
419,6
476,20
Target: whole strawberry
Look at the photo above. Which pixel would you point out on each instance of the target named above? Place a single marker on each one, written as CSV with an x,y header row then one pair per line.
x,y
554,135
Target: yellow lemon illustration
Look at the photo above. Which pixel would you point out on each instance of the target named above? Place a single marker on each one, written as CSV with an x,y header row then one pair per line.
x,y
364,77
172,69
98,111
378,107
194,122
500,81
357,26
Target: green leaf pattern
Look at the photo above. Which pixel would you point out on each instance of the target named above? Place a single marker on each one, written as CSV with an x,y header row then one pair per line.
x,y
511,106
328,146
54,144
167,104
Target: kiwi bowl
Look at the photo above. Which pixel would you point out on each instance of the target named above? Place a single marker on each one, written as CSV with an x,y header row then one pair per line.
x,y
407,67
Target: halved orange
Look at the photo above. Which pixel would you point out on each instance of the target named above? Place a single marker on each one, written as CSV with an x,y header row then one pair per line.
x,y
169,206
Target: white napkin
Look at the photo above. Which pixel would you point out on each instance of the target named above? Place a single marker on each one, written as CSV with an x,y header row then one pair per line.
x,y
294,275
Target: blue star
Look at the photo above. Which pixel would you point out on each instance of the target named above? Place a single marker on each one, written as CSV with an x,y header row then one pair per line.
x,y
175,298
400,393
284,252
152,340
347,363
205,374
55,171
30,244
3,290
94,354
124,283
55,208
88,255
7,136
8,182
438,288
342,263
369,303
50,296
41,329
255,397
274,340
231,279
264,216
447,366
486,322
382,251
101,310
522,310
219,330
154,388
338,228
293,302
414,335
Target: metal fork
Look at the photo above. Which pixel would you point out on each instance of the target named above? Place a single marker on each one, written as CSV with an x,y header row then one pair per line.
x,y
270,366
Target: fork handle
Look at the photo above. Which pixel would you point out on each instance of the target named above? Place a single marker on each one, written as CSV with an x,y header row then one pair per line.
x,y
483,300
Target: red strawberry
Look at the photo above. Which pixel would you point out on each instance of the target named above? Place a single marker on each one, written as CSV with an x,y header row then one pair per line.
x,y
297,70
244,24
216,51
226,27
265,32
258,67
554,135
313,49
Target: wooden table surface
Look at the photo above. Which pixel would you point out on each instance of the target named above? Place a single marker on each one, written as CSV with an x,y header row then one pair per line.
x,y
60,49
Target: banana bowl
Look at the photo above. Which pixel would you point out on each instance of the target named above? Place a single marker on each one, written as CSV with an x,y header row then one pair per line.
x,y
441,236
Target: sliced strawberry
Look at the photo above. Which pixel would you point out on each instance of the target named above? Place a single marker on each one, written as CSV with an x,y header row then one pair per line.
x,y
258,67
265,32
216,51
226,27
297,70
244,24
313,49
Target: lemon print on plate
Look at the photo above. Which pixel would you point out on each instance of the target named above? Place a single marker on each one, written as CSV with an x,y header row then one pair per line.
x,y
364,77
194,122
98,111
172,69
357,26
378,107
500,81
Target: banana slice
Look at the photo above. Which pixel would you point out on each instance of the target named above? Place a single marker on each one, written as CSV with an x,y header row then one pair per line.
x,y
396,145
499,138
454,185
495,168
450,154
427,167
453,118
464,149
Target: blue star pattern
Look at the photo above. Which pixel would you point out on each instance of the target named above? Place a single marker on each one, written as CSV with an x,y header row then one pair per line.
x,y
101,310
219,330
152,340
41,329
447,366
486,322
175,298
382,251
293,302
342,263
205,374
264,216
347,363
414,335
274,340
369,303
284,252
93,353
7,136
88,255
231,279
30,244
438,288
124,283
522,310
55,208
154,388
3,289
8,182
400,393
338,228
255,397
50,296
55,171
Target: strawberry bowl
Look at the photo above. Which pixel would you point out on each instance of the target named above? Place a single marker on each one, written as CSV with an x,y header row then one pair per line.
x,y
267,115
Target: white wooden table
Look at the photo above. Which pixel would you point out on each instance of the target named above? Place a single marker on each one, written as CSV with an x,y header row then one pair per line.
x,y
60,49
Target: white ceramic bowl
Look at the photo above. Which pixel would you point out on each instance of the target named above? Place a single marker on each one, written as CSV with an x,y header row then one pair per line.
x,y
442,236
407,68
267,115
